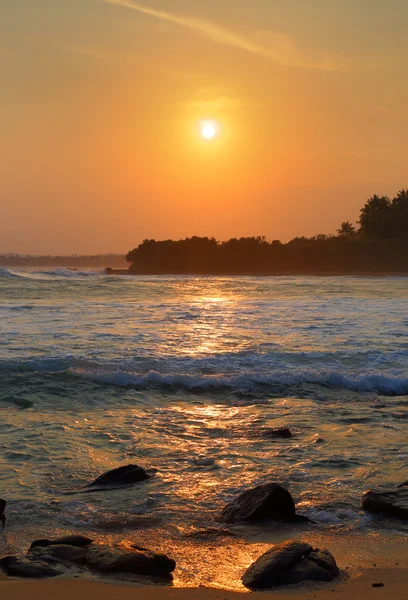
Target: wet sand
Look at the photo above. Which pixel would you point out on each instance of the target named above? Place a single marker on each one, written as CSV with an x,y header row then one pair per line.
x,y
395,587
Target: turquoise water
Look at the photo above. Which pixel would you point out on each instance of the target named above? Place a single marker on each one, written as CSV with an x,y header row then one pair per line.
x,y
181,375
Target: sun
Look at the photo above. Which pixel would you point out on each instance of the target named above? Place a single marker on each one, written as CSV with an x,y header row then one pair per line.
x,y
209,130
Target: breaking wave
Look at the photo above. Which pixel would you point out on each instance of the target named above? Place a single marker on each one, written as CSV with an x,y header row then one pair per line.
x,y
244,382
47,274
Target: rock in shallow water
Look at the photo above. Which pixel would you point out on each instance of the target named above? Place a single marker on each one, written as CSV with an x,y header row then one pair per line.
x,y
389,502
290,562
125,475
268,501
282,432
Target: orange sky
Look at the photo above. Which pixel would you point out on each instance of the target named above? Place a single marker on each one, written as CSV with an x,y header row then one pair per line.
x,y
101,100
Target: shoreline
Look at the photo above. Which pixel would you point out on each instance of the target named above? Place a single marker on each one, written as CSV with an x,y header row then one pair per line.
x,y
393,586
220,563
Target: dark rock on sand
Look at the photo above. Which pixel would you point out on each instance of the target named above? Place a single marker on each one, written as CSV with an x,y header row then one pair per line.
x,y
3,505
389,502
48,558
122,559
58,553
68,540
125,475
23,567
268,501
282,432
290,562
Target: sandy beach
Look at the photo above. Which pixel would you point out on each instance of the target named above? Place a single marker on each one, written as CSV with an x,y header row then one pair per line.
x,y
395,587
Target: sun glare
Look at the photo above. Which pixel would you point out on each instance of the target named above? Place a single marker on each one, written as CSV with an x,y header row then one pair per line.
x,y
209,130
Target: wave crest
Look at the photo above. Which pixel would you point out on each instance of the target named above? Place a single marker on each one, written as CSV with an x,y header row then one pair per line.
x,y
248,382
48,274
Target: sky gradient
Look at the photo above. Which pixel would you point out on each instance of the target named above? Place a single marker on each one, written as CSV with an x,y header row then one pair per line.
x,y
100,103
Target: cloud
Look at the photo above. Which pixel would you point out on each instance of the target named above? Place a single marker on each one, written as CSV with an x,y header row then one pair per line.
x,y
284,50
206,29
276,46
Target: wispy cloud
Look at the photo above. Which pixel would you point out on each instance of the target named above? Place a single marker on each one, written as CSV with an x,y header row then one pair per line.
x,y
276,46
207,29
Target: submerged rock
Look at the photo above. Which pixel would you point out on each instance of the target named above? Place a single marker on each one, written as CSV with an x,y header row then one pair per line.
x,y
389,502
290,562
125,475
281,432
268,501
122,559
69,540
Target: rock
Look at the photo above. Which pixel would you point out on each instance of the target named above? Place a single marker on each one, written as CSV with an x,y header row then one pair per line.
x,y
56,553
405,484
268,501
390,502
125,475
290,562
69,540
282,432
204,462
23,567
3,505
125,559
6,561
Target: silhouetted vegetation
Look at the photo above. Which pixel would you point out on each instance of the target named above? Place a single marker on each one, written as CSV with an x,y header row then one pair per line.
x,y
379,244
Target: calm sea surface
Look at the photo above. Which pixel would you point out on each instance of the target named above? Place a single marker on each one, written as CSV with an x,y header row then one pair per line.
x,y
182,375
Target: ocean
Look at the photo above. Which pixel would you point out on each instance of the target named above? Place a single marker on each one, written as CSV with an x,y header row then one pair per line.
x,y
183,376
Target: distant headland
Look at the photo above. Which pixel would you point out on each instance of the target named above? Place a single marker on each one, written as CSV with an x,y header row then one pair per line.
x,y
378,245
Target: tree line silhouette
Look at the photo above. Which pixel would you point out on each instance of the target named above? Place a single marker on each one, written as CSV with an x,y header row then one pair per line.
x,y
378,244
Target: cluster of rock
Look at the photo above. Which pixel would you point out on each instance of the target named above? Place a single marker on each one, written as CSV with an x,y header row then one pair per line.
x,y
49,558
286,563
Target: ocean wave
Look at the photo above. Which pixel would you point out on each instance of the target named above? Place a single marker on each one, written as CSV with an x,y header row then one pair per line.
x,y
47,274
253,382
388,384
8,273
